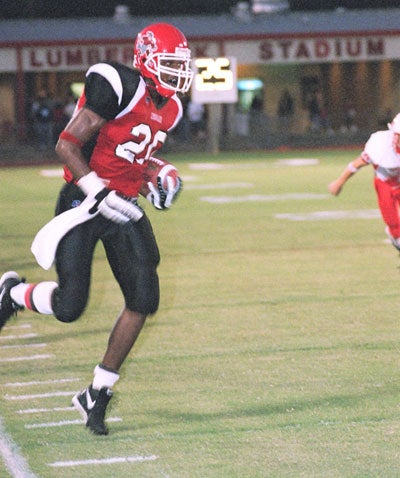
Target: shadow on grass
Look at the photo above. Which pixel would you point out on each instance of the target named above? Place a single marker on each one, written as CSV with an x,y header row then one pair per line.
x,y
325,411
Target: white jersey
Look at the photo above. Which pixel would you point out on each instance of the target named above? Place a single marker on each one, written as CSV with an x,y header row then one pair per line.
x,y
379,152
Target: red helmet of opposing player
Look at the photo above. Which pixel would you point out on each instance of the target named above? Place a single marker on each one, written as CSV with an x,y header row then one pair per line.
x,y
161,53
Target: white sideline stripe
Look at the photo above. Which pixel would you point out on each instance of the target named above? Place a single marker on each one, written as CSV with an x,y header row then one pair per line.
x,y
44,410
262,198
229,166
40,382
189,178
219,186
297,162
206,166
331,215
29,357
105,461
257,165
64,423
22,346
12,458
52,173
20,326
39,395
24,336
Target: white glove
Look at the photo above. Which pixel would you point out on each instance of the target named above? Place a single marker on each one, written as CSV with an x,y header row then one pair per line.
x,y
162,198
110,204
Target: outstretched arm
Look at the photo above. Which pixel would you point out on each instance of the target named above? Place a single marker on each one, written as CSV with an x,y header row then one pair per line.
x,y
336,186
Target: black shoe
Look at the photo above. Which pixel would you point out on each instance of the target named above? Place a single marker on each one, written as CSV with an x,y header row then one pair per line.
x,y
7,306
92,404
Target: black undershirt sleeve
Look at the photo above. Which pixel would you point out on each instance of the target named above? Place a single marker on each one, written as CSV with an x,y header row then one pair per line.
x,y
100,97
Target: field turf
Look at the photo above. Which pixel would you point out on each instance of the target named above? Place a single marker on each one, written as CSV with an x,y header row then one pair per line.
x,y
275,351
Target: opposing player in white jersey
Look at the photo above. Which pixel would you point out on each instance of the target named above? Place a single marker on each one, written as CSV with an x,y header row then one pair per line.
x,y
382,151
122,118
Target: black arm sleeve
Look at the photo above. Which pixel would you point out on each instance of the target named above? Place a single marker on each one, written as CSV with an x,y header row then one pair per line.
x,y
100,96
101,87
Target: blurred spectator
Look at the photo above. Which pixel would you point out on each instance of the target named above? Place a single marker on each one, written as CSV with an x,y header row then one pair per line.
x,y
350,115
385,118
69,106
43,120
6,129
59,120
195,115
258,121
285,111
182,131
326,121
314,106
257,105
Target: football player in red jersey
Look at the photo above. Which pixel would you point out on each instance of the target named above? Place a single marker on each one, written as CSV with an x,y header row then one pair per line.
x,y
121,119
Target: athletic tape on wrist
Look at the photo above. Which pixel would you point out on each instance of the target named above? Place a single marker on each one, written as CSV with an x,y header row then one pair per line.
x,y
352,168
91,184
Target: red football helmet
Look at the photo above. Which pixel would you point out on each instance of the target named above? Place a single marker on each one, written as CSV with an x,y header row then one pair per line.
x,y
161,53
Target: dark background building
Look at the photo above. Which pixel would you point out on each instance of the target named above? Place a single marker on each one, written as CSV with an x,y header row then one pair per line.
x,y
340,65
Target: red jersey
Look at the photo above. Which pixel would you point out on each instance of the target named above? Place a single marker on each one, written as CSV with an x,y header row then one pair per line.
x,y
135,127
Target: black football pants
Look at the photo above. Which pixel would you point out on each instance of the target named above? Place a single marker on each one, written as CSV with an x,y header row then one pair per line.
x,y
132,253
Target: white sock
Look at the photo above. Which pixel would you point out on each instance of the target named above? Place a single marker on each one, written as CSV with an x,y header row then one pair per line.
x,y
41,296
104,378
35,297
18,293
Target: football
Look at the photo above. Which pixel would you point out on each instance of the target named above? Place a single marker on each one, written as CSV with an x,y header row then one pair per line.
x,y
154,168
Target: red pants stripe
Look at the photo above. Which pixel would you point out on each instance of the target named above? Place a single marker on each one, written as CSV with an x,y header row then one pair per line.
x,y
389,204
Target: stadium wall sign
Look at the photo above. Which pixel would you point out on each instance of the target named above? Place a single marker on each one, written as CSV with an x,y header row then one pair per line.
x,y
282,49
250,52
316,50
73,57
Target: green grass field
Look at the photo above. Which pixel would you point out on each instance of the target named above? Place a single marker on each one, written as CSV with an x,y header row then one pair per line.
x,y
275,350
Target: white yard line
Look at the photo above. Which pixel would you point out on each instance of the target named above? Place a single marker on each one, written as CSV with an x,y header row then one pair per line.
x,y
263,198
40,382
62,423
19,326
22,346
105,461
12,458
242,185
28,357
39,395
14,337
330,215
52,173
45,410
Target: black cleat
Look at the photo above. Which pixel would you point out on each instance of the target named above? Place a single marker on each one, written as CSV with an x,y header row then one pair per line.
x,y
7,306
92,404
